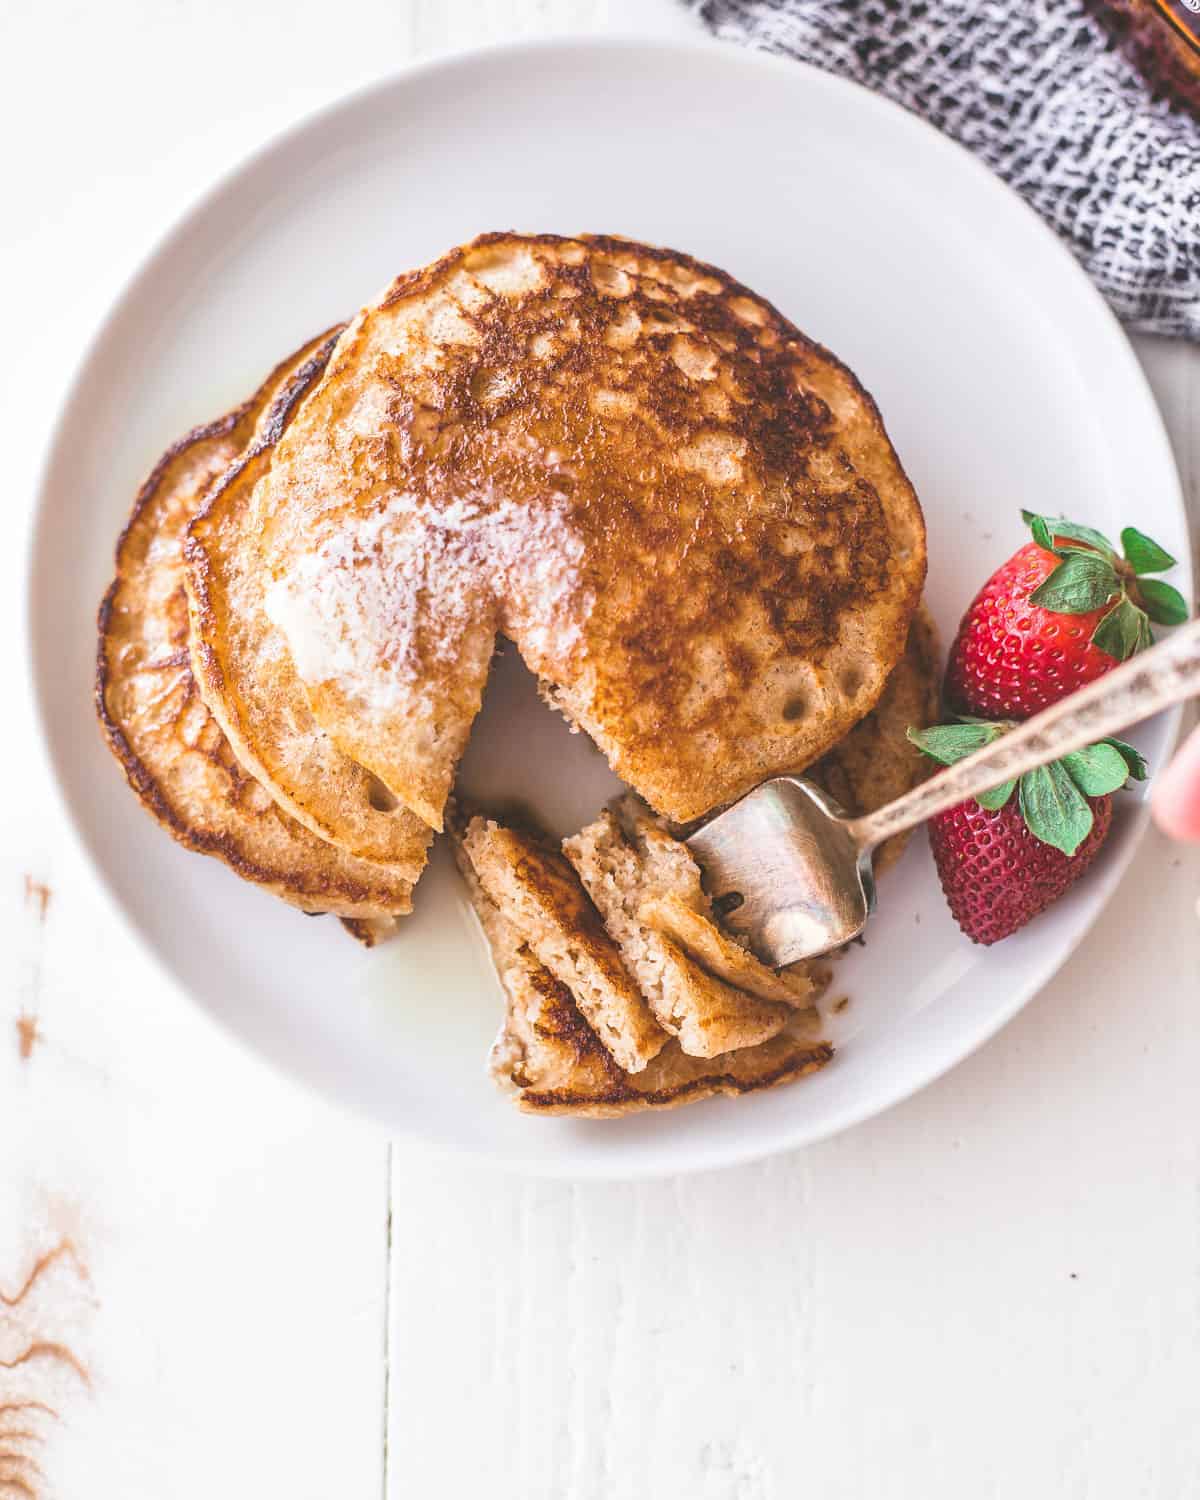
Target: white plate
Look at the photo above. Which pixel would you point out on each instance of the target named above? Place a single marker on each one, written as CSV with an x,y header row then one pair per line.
x,y
1003,379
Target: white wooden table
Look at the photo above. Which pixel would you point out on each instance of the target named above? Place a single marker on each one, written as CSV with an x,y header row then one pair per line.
x,y
212,1284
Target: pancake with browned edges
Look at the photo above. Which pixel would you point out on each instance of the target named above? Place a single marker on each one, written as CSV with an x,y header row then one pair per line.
x,y
172,750
548,1057
704,988
876,763
265,714
530,881
686,515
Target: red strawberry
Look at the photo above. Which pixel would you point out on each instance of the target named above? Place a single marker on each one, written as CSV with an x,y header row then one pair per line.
x,y
1061,612
1004,858
996,874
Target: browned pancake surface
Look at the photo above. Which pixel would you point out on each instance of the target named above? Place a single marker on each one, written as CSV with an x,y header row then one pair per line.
x,y
536,889
875,764
551,1060
686,514
703,988
172,750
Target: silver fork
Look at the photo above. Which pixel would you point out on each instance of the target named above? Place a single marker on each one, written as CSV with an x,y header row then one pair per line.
x,y
792,873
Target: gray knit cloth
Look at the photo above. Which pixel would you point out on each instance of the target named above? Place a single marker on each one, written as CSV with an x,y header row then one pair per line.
x,y
1041,92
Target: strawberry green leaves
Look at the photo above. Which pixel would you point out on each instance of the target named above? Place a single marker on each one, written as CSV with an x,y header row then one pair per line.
x,y
948,743
1097,769
1144,555
1066,531
1082,582
997,797
1134,760
1123,630
1054,809
1053,799
1164,604
1091,573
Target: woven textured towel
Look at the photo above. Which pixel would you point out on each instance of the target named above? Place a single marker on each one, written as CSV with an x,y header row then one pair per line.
x,y
1040,91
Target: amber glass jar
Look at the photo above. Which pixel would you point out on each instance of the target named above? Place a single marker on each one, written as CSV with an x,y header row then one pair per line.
x,y
1167,36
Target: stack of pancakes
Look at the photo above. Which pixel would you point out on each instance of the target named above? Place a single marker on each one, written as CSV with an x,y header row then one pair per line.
x,y
685,515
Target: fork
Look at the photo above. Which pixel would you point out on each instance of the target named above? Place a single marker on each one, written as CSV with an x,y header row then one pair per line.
x,y
791,872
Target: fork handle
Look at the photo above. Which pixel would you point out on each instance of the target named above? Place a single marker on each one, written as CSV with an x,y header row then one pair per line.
x,y
1146,684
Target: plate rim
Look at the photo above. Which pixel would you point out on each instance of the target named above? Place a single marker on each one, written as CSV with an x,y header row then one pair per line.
x,y
716,1154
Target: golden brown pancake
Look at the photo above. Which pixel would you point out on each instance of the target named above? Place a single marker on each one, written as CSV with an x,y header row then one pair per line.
x,y
686,515
172,750
264,714
703,988
537,889
876,763
550,1059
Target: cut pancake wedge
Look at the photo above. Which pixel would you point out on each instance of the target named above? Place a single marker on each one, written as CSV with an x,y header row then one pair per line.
x,y
712,995
173,752
549,1058
537,889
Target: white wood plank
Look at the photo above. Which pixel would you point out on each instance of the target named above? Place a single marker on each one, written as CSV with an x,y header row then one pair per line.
x,y
226,1276
226,1273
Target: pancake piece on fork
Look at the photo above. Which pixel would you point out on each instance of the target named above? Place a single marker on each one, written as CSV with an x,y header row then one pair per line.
x,y
173,752
524,876
686,515
703,987
549,1059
